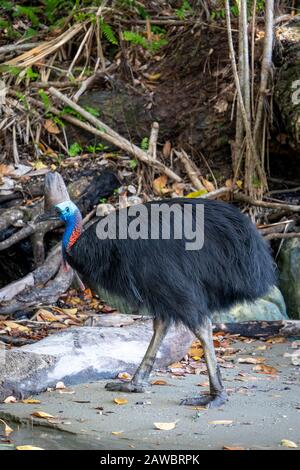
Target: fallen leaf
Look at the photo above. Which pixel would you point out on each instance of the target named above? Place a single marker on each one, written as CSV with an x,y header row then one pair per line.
x,y
30,401
165,426
233,448
16,326
221,421
45,315
41,414
167,149
178,188
120,401
276,340
264,369
261,348
251,360
159,382
207,184
39,165
28,447
199,193
10,399
7,429
196,358
124,376
116,433
288,443
194,351
159,185
154,76
70,311
51,127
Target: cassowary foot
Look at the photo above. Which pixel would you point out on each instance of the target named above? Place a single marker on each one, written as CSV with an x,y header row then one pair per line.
x,y
209,401
129,387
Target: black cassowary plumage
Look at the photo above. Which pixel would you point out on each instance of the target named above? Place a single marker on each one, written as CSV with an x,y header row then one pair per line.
x,y
172,283
160,276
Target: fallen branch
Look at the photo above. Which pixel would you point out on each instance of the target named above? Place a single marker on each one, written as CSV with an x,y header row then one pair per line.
x,y
15,341
108,134
190,169
260,329
268,205
89,82
217,193
278,236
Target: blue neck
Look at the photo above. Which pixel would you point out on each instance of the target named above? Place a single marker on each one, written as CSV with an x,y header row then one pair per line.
x,y
72,231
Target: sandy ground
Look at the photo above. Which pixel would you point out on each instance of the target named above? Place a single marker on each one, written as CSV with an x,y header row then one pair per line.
x,y
263,410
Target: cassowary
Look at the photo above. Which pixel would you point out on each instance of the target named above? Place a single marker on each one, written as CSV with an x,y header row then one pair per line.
x,y
162,277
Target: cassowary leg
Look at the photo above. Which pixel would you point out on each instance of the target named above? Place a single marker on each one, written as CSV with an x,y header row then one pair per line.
x,y
217,395
140,378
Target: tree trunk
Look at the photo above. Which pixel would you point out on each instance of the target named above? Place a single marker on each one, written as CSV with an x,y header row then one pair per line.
x,y
287,89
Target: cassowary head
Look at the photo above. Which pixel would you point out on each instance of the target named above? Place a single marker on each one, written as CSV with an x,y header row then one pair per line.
x,y
67,211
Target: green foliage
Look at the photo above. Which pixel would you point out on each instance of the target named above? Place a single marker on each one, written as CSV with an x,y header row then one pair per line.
x,y
23,100
71,112
92,111
108,32
138,40
31,75
133,164
75,149
45,99
96,148
183,10
103,200
31,13
145,143
11,70
57,120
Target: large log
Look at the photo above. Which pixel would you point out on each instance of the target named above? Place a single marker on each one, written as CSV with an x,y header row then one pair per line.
x,y
260,329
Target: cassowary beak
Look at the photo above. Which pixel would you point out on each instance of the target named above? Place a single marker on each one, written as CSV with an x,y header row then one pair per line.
x,y
52,214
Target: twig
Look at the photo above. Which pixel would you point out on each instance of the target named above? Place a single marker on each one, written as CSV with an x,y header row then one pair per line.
x,y
85,38
153,141
15,147
190,169
276,236
18,47
217,193
65,84
88,83
268,205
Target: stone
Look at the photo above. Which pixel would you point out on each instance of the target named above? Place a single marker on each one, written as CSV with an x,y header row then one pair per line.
x,y
270,307
84,354
289,275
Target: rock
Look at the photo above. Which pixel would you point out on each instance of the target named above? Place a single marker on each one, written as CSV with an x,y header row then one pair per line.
x,y
271,307
104,209
84,354
289,277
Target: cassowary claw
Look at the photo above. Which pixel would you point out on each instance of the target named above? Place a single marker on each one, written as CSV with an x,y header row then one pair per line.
x,y
209,401
129,387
